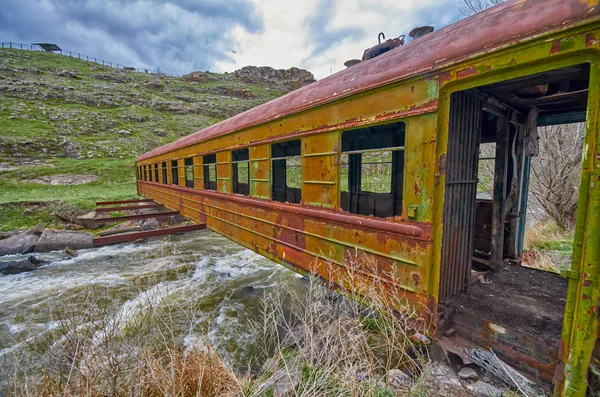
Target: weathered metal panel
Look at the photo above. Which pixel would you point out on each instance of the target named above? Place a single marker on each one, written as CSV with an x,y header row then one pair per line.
x,y
224,171
320,171
260,171
580,330
464,132
419,175
181,172
405,100
198,173
304,237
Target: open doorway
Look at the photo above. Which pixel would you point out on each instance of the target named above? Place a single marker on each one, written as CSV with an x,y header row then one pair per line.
x,y
492,291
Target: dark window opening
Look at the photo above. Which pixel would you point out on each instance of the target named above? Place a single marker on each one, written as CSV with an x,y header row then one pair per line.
x,y
241,171
372,170
156,172
287,171
146,173
174,173
210,172
164,172
189,172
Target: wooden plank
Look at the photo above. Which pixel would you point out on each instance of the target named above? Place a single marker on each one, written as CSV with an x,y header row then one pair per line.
x,y
130,208
500,174
104,221
124,202
120,238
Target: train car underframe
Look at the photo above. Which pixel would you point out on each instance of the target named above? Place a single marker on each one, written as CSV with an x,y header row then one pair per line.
x,y
487,297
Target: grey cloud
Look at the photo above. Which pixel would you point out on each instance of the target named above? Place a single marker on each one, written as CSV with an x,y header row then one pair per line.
x,y
177,36
323,36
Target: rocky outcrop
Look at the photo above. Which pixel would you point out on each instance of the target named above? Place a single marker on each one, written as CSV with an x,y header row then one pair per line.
x,y
22,243
291,79
57,240
25,265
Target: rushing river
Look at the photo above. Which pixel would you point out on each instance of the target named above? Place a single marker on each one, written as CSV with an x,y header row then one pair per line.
x,y
202,269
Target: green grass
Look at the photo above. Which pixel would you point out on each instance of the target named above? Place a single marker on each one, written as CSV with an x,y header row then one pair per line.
x,y
75,126
116,181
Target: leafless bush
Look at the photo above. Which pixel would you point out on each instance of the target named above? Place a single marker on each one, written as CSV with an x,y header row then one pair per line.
x,y
335,346
556,172
471,7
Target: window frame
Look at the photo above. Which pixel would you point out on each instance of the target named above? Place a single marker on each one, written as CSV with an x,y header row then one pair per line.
x,y
174,172
209,161
164,173
188,166
240,156
354,198
282,192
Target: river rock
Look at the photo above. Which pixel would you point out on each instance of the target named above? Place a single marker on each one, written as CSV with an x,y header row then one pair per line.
x,y
22,243
482,389
439,380
25,265
58,240
88,220
150,224
398,379
467,373
285,380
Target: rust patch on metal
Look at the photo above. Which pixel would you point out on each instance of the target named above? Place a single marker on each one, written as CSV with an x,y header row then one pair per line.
x,y
590,40
461,74
441,164
555,49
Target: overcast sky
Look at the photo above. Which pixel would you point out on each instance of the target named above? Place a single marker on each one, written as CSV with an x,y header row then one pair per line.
x,y
181,36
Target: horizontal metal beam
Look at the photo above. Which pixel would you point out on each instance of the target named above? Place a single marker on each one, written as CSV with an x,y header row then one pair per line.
x,y
130,208
120,238
103,221
124,202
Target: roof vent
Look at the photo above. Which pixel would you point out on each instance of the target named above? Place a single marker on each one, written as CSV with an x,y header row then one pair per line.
x,y
420,32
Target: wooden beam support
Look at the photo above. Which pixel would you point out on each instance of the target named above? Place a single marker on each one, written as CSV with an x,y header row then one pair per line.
x,y
123,237
499,192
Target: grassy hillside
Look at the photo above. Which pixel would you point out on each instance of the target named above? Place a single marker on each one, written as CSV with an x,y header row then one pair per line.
x,y
60,115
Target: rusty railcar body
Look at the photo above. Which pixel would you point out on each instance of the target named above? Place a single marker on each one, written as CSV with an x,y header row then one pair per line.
x,y
429,105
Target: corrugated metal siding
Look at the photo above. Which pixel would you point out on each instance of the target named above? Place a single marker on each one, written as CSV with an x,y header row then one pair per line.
x,y
461,191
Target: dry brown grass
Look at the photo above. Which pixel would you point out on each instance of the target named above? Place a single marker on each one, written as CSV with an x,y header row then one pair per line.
x,y
339,345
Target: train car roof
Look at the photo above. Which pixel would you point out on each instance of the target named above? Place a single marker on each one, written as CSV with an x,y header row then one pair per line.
x,y
504,24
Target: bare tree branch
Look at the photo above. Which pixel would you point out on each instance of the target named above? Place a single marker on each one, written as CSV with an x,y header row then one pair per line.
x,y
472,7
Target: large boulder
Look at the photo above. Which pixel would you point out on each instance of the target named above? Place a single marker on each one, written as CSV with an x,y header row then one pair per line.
x,y
24,265
22,243
57,240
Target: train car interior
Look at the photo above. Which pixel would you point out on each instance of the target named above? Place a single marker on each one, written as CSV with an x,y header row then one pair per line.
x,y
486,293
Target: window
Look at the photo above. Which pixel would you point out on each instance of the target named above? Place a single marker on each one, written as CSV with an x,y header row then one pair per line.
x,y
287,171
145,172
174,173
155,172
164,172
210,172
189,172
241,171
372,170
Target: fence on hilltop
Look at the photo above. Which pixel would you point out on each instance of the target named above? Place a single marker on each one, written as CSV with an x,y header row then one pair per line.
x,y
73,54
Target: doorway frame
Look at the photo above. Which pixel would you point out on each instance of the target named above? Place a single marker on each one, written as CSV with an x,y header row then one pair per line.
x,y
580,324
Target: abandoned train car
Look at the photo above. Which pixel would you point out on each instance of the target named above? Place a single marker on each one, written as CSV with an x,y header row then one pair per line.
x,y
382,159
